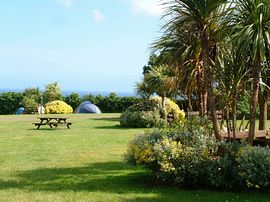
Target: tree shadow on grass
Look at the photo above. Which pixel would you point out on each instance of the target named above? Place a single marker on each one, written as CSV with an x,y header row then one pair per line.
x,y
118,127
112,177
113,119
115,178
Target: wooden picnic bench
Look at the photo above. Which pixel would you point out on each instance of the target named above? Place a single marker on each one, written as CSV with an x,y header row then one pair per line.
x,y
244,134
52,122
261,137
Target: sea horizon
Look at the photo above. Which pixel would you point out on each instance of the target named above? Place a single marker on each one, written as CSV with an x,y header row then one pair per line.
x,y
80,92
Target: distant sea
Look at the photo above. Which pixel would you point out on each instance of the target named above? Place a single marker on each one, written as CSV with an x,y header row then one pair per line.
x,y
81,93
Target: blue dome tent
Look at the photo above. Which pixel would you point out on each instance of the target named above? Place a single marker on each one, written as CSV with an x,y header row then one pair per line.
x,y
87,107
20,111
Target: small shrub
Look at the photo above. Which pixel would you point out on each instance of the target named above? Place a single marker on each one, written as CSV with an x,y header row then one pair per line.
x,y
222,170
254,166
58,107
175,156
148,113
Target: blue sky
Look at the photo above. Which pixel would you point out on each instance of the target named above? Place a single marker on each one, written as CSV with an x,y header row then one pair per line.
x,y
85,45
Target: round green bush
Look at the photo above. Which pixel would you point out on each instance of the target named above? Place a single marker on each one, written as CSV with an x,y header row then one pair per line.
x,y
58,107
148,113
254,166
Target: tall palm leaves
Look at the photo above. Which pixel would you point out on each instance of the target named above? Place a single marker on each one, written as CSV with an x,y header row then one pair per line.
x,y
201,20
251,32
232,79
163,81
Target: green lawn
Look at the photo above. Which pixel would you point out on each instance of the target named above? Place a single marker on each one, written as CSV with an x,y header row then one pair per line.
x,y
84,163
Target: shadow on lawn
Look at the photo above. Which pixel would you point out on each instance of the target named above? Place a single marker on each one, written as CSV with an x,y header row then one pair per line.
x,y
112,177
112,127
113,119
116,178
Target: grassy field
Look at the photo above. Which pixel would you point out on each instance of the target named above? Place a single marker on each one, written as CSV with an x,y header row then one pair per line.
x,y
84,163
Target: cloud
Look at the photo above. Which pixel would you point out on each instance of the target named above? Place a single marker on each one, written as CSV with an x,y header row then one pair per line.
x,y
66,3
148,7
98,16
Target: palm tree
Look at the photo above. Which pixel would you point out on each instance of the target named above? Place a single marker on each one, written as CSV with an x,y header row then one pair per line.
x,y
143,89
233,77
264,95
202,19
164,82
183,47
251,25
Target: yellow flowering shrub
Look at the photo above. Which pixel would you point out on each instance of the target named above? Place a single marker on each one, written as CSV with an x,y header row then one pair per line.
x,y
58,107
172,108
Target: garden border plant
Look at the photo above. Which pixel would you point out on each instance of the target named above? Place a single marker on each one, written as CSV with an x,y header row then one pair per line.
x,y
188,155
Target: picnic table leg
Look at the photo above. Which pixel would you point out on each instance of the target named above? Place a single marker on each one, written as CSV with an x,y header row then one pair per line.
x,y
68,126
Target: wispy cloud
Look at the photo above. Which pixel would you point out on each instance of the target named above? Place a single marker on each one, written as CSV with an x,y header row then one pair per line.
x,y
98,17
66,3
148,7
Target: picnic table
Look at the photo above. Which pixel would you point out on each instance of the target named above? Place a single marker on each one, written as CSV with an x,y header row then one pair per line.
x,y
52,122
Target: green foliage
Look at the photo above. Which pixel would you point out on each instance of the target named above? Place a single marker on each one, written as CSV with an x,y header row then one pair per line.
x,y
33,93
58,107
52,92
148,113
222,171
30,105
141,119
188,156
254,166
111,103
73,100
175,156
31,99
9,102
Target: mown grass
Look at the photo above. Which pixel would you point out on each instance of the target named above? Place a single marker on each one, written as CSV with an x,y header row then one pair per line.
x,y
84,163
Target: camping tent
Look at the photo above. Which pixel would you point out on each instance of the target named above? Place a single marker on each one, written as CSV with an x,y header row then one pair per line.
x,y
87,107
20,111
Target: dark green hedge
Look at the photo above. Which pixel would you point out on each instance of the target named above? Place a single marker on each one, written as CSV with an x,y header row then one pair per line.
x,y
10,102
107,104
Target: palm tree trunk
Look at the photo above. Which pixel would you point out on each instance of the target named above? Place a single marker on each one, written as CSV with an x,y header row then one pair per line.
x,y
209,82
164,107
201,92
254,101
263,98
234,121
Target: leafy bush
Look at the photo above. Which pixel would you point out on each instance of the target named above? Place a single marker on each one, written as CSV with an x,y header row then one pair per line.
x,y
188,156
73,100
140,119
222,171
30,100
254,166
9,102
175,156
148,113
30,105
111,103
58,107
